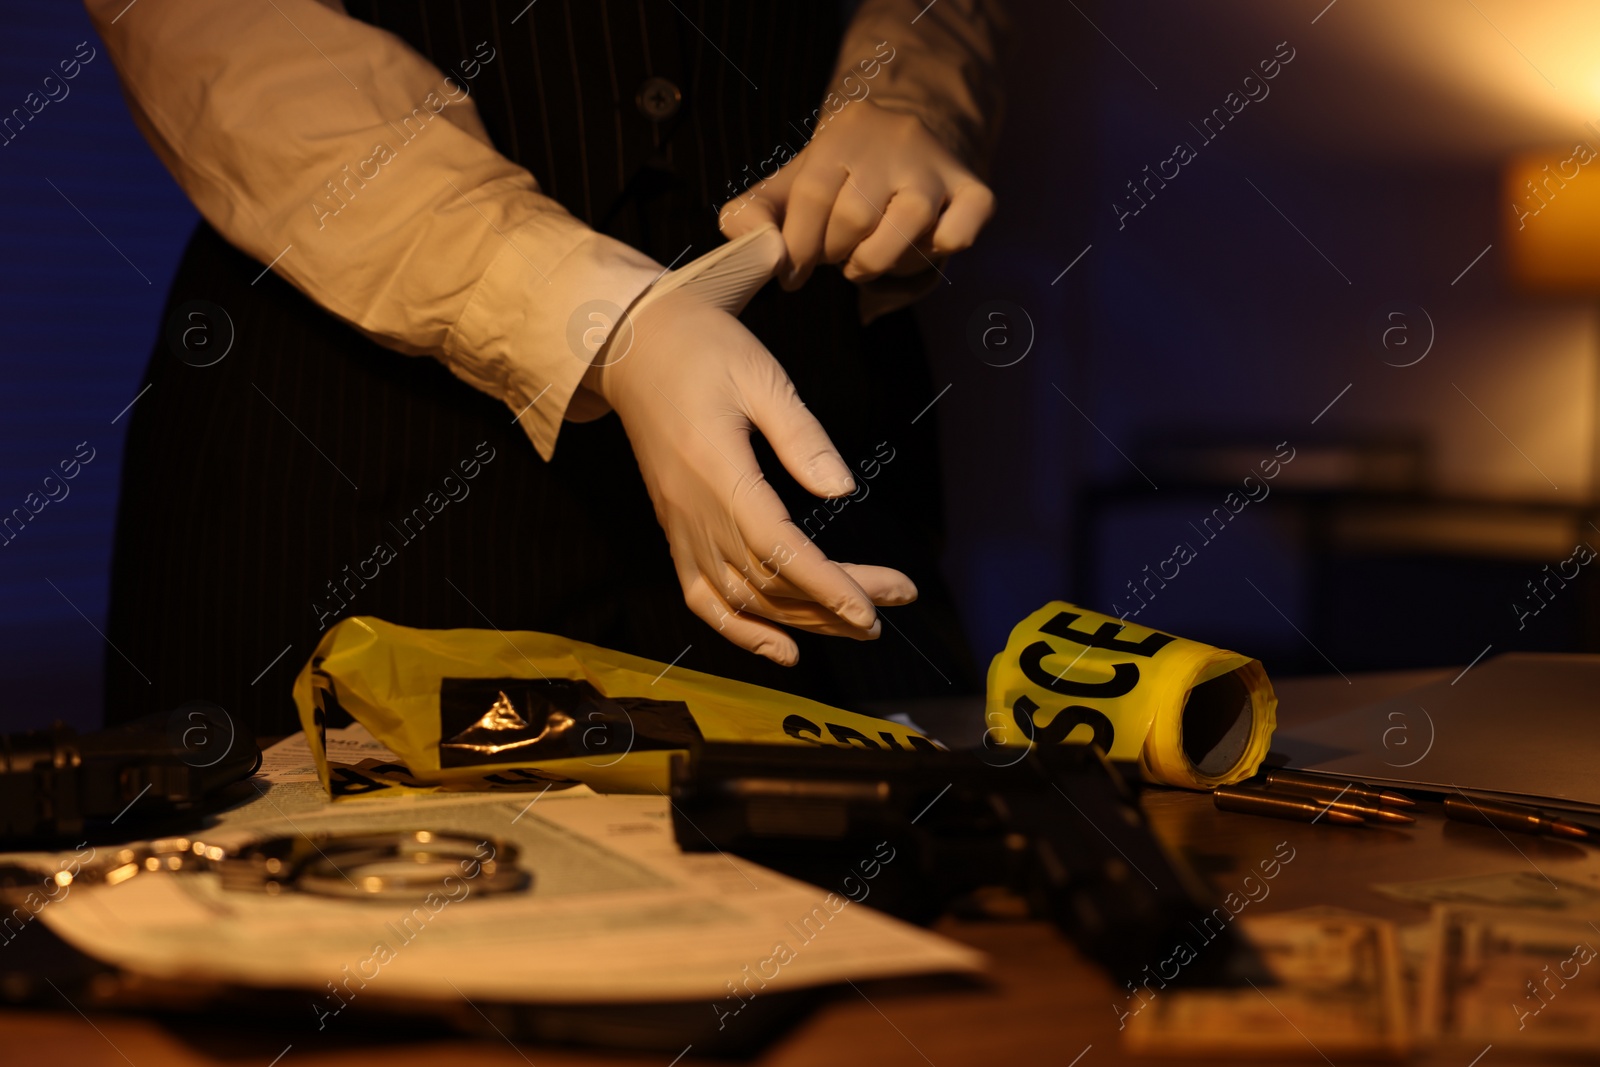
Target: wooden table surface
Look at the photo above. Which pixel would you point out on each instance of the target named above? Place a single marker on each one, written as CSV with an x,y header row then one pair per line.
x,y
1042,1004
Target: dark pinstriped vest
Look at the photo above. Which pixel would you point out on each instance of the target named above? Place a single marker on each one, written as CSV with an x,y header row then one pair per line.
x,y
256,490
640,116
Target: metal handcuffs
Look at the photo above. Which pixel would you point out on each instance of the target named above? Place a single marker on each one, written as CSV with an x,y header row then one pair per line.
x,y
375,865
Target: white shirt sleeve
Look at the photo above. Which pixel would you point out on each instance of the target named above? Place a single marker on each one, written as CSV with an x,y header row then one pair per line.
x,y
333,151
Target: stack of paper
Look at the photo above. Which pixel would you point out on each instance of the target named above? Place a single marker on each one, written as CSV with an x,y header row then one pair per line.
x,y
616,912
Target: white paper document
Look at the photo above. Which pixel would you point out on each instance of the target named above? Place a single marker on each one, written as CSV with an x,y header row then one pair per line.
x,y
290,760
616,912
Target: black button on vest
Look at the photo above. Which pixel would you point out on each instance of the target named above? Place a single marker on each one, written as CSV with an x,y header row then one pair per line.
x,y
658,99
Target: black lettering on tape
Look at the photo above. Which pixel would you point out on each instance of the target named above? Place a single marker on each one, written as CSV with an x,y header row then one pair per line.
x,y
1104,636
845,735
803,729
797,726
1069,718
916,740
1124,676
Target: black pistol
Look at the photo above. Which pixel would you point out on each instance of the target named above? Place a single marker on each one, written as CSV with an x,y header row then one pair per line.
x,y
57,786
1059,827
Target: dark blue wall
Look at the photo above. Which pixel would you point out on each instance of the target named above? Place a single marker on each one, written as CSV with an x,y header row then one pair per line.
x,y
93,230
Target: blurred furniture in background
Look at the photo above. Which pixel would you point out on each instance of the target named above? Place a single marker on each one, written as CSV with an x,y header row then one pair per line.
x,y
1344,559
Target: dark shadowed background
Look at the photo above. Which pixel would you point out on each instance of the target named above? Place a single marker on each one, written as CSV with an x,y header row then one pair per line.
x,y
1328,274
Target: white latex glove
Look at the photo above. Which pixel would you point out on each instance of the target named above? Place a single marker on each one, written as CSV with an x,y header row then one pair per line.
x,y
690,383
873,190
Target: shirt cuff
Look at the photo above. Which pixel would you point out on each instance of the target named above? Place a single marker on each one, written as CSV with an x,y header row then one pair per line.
x,y
539,314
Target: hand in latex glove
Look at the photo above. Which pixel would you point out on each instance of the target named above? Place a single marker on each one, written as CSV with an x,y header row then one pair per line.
x,y
873,190
690,383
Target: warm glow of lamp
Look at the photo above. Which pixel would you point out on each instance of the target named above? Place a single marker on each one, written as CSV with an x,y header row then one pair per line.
x,y
1552,218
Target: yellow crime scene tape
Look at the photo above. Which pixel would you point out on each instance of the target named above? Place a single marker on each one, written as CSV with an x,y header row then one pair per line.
x,y
477,709
1189,714
471,708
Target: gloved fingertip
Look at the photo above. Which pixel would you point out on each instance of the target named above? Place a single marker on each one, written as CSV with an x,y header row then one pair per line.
x,y
899,596
828,477
860,614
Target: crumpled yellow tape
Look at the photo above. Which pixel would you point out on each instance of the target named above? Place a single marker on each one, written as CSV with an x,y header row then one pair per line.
x,y
388,678
1071,675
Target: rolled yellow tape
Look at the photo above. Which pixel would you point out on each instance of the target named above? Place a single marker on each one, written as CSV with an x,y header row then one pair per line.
x,y
1188,713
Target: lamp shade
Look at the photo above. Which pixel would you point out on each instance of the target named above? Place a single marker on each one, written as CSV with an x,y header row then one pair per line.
x,y
1552,225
